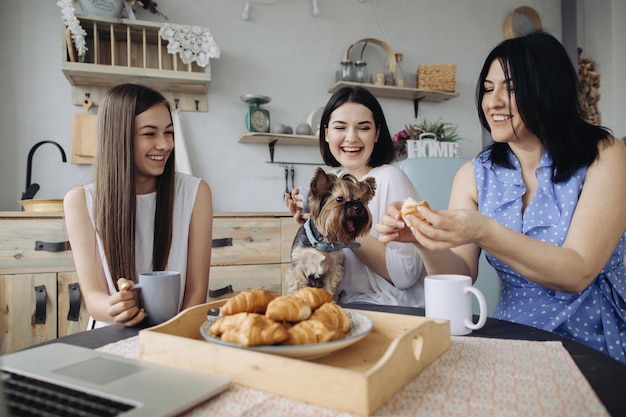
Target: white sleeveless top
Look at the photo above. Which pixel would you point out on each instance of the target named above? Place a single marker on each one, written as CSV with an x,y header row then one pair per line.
x,y
185,197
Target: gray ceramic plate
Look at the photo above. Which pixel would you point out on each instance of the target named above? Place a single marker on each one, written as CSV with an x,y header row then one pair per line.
x,y
360,326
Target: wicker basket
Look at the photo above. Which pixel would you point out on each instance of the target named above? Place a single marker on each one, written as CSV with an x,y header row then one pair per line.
x,y
441,77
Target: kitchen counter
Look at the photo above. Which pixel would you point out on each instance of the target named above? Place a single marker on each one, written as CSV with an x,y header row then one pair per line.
x,y
255,253
19,230
58,214
30,214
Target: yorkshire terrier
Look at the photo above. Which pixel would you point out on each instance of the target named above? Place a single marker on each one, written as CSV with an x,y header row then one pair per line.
x,y
338,216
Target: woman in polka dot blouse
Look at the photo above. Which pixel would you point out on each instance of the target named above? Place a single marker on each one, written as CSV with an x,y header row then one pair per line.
x,y
546,201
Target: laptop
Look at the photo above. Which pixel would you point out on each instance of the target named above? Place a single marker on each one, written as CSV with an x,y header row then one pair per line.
x,y
117,386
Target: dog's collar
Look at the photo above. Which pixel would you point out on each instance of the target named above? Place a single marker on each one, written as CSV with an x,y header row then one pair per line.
x,y
323,246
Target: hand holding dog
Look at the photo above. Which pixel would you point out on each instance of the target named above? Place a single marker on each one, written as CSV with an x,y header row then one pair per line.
x,y
294,203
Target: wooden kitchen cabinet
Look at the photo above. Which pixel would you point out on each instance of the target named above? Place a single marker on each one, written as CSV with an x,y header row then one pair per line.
x,y
260,251
27,274
18,329
258,254
67,320
22,323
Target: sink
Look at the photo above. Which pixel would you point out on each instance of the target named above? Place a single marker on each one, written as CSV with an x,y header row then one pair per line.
x,y
42,205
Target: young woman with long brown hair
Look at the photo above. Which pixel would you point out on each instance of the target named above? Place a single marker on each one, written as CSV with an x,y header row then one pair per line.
x,y
139,215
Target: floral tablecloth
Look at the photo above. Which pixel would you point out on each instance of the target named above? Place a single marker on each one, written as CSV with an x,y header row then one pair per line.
x,y
474,377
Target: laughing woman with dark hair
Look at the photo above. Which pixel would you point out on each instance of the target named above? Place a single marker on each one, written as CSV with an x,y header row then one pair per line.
x,y
355,139
139,215
546,202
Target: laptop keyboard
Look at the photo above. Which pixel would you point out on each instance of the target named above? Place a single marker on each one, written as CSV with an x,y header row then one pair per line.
x,y
31,397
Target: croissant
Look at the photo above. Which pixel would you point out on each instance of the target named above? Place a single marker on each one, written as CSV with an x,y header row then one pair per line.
x,y
311,331
254,301
226,322
254,330
333,316
288,308
314,297
409,207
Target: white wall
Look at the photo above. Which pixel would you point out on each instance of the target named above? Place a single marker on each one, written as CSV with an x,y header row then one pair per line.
x,y
282,52
601,34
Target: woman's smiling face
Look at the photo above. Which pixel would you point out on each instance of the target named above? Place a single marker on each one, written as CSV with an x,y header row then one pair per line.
x,y
153,142
500,107
351,135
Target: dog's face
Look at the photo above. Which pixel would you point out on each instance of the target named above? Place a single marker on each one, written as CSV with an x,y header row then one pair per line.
x,y
338,206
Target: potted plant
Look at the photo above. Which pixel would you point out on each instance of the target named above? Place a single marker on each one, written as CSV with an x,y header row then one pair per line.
x,y
424,130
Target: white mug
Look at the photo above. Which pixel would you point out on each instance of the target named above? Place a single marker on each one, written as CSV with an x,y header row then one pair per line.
x,y
159,295
449,297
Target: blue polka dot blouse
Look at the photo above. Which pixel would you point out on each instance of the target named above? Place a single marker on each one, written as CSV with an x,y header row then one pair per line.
x,y
596,316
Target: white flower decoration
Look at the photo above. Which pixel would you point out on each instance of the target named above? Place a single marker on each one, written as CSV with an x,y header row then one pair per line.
x,y
72,22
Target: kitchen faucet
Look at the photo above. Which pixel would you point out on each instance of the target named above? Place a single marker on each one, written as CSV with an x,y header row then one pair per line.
x,y
31,189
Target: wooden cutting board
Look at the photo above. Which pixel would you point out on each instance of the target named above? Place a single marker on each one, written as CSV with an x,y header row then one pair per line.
x,y
84,135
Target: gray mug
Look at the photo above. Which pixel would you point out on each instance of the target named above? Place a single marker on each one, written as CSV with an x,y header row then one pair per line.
x,y
159,295
304,192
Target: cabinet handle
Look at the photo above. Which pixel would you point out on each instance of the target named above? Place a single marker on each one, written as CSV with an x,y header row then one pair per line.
x,y
225,241
52,246
74,295
40,304
216,293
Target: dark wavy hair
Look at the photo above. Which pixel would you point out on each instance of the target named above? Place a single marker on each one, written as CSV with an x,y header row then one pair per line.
x,y
383,152
547,94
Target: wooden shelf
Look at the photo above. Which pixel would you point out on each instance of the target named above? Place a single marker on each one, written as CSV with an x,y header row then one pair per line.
x,y
96,75
273,139
403,93
280,138
122,50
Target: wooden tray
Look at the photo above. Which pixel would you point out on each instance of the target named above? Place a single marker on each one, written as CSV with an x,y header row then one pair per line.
x,y
357,379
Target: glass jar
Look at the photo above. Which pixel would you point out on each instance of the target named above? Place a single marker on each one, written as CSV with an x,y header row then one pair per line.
x,y
361,72
347,71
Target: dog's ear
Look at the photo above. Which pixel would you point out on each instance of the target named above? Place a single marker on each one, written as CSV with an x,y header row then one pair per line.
x,y
367,187
321,183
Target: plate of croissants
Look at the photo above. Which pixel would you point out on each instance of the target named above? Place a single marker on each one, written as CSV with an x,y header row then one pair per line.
x,y
307,324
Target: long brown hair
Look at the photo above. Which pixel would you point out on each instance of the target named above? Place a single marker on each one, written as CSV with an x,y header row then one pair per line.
x,y
115,197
